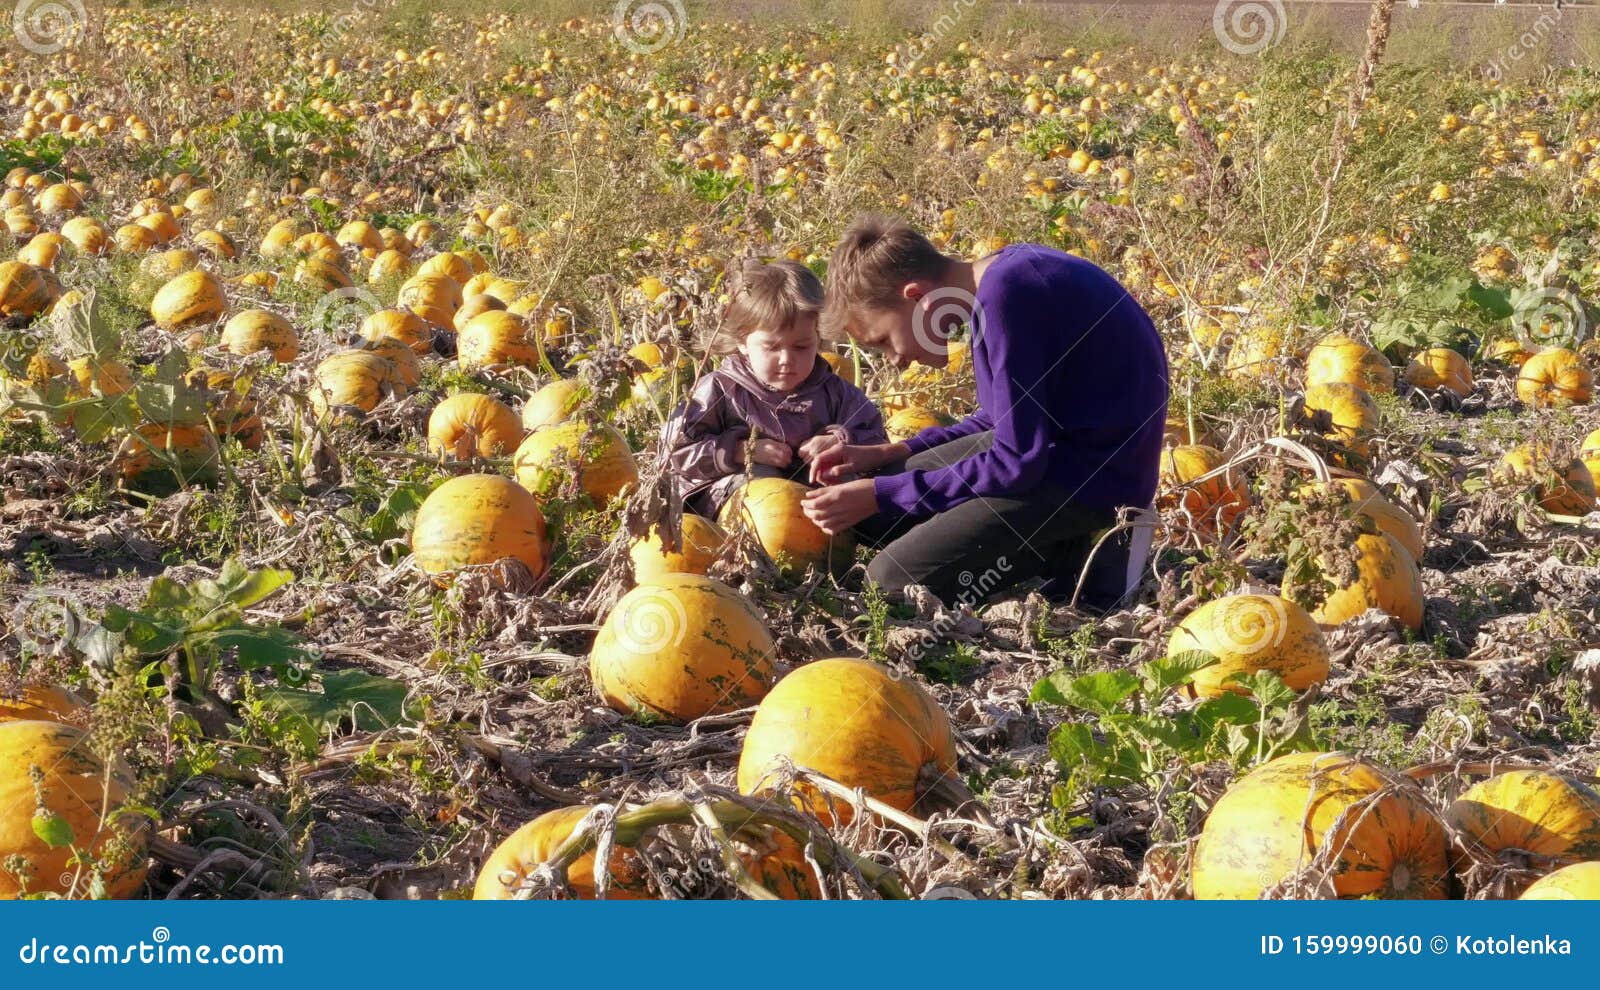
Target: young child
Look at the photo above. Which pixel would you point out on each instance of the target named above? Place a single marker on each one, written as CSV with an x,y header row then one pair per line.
x,y
1072,402
773,386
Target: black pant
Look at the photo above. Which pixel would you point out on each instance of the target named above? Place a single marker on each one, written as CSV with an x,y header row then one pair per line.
x,y
986,545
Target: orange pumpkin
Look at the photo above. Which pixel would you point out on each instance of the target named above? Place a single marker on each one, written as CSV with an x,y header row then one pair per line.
x,y
1379,832
1550,816
1440,367
907,422
700,542
852,721
23,289
1366,499
358,379
555,403
1386,579
189,300
1554,377
478,519
1342,359
399,324
595,452
75,790
526,849
1565,489
682,646
472,425
258,330
43,703
1354,415
1216,501
158,459
772,509
496,337
473,307
1247,633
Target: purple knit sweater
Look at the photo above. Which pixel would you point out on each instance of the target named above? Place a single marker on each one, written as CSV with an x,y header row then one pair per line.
x,y
1072,379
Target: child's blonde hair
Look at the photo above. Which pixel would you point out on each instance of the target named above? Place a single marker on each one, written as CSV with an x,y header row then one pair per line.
x,y
766,297
874,261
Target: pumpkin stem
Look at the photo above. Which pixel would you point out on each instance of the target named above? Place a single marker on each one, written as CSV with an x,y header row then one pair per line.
x,y
940,791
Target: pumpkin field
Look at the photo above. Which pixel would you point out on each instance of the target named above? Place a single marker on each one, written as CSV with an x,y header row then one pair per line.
x,y
338,558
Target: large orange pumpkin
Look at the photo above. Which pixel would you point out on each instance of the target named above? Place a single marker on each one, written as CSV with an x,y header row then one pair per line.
x,y
496,337
472,425
772,509
41,702
907,422
191,299
1551,816
1386,579
682,646
852,721
1554,377
1342,359
1218,500
478,519
596,452
1565,489
1270,824
23,289
1247,633
358,379
555,403
400,324
158,458
81,799
1578,882
1353,414
258,330
700,541
526,849
1440,367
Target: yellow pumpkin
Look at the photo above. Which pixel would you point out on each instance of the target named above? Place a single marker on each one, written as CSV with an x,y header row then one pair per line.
x,y
496,337
478,519
256,330
1589,454
841,364
1247,633
435,298
1440,367
450,265
1386,579
361,235
471,425
1353,413
852,721
407,369
526,849
323,273
43,703
23,289
390,264
595,452
905,423
555,403
473,307
1270,824
399,324
43,250
87,234
81,797
1578,882
1365,499
772,509
134,239
700,542
1508,351
159,459
1215,502
1566,490
681,647
1550,816
1341,359
280,238
1554,377
190,300
359,379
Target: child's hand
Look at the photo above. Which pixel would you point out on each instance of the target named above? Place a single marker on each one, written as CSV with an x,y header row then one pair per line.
x,y
772,453
817,444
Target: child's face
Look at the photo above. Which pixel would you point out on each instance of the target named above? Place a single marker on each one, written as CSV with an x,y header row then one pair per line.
x,y
783,358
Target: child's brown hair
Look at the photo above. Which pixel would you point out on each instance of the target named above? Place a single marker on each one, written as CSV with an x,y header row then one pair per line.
x,y
874,261
766,297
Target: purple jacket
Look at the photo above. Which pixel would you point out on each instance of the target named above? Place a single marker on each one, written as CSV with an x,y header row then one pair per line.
x,y
705,437
1072,379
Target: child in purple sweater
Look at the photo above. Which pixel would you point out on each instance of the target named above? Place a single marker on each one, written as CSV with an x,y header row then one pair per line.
x,y
773,394
1072,404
